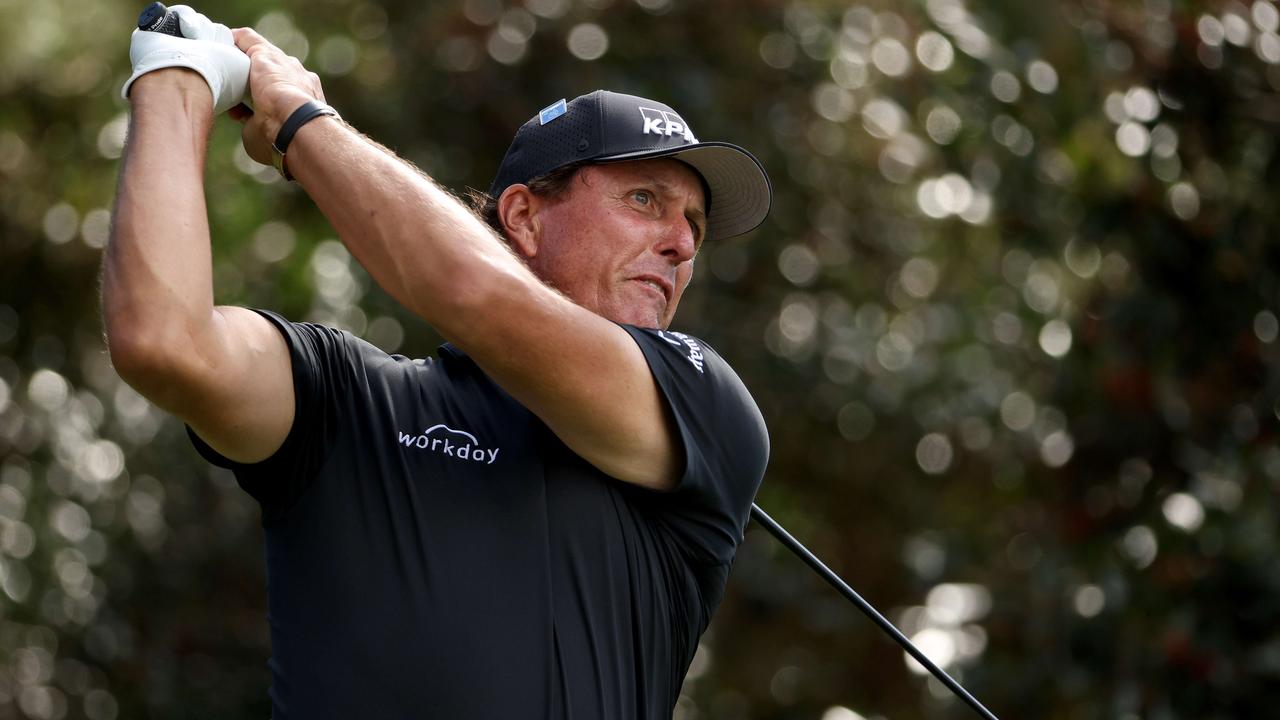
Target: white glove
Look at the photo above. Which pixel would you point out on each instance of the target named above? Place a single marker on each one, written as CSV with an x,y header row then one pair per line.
x,y
206,47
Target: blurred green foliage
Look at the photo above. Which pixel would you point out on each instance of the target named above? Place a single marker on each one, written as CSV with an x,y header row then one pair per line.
x,y
1012,323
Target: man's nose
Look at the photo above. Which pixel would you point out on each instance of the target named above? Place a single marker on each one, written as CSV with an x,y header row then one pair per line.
x,y
678,242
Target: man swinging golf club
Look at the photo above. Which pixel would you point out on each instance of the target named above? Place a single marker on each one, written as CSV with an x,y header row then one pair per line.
x,y
537,523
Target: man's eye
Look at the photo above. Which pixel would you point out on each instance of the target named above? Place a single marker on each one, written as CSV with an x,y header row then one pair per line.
x,y
642,197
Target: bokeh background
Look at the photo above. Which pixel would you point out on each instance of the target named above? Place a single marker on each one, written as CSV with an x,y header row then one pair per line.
x,y
1012,323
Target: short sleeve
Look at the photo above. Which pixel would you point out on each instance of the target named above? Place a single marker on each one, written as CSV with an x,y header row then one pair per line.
x,y
322,359
726,445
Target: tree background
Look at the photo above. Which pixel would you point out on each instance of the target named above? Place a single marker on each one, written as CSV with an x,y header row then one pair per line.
x,y
1012,323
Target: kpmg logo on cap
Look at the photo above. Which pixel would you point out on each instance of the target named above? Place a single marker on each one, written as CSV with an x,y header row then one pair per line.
x,y
663,122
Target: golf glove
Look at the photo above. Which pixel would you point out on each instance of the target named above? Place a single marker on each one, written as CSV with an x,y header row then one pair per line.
x,y
206,47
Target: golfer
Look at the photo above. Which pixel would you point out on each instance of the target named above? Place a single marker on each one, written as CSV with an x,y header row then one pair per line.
x,y
536,523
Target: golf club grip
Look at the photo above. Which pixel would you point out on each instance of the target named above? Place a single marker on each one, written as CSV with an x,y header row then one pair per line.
x,y
158,18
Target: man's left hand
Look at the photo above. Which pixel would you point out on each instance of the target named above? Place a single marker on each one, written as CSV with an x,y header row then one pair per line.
x,y
204,46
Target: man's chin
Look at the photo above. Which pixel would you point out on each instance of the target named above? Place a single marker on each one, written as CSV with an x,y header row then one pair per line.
x,y
652,323
647,315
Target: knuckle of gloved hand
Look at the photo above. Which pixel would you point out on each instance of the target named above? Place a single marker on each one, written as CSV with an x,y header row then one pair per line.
x,y
194,25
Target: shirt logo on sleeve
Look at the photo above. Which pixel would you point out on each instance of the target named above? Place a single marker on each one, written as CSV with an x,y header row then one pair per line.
x,y
457,444
688,347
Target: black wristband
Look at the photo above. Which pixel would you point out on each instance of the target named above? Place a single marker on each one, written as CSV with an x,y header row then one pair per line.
x,y
310,110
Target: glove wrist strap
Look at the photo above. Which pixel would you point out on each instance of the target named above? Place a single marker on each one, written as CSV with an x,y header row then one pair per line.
x,y
309,111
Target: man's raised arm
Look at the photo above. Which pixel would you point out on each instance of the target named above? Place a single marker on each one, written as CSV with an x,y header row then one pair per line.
x,y
225,371
580,373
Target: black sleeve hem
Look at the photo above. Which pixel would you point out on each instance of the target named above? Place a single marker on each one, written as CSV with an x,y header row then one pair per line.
x,y
258,479
725,444
687,440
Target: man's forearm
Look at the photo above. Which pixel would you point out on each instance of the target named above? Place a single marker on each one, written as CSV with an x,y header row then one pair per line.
x,y
157,279
577,371
580,373
421,245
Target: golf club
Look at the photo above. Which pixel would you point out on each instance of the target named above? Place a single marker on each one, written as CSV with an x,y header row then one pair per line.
x,y
158,18
794,545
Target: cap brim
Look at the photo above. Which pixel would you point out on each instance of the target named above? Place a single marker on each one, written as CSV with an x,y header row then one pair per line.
x,y
741,193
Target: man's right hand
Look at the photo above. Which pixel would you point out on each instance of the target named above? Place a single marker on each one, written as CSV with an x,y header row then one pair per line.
x,y
206,47
278,84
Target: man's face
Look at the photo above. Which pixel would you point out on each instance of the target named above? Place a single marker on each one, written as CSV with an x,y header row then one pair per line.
x,y
621,240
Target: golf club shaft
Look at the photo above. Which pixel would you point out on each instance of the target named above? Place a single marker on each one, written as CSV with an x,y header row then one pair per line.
x,y
794,545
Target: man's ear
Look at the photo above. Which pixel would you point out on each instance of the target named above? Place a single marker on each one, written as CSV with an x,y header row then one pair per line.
x,y
518,210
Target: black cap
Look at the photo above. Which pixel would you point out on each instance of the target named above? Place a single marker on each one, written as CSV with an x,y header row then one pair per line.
x,y
605,126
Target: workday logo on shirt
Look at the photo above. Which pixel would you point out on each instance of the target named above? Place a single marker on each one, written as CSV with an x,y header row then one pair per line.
x,y
457,444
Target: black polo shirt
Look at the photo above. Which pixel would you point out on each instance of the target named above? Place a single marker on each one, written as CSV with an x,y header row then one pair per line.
x,y
434,551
